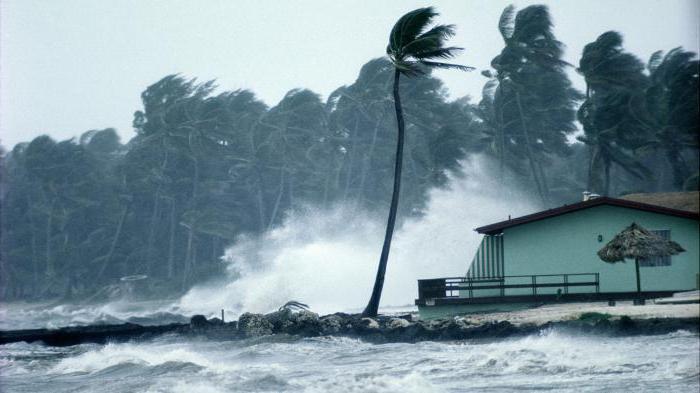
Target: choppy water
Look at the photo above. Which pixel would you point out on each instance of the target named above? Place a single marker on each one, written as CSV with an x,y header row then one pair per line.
x,y
551,361
328,260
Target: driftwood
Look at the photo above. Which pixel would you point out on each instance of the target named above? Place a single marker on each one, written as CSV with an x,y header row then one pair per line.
x,y
307,324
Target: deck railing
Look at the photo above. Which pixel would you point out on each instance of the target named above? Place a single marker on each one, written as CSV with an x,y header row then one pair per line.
x,y
450,287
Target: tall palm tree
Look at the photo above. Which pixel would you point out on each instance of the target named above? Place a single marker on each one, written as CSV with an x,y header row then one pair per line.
x,y
672,99
613,114
413,49
534,99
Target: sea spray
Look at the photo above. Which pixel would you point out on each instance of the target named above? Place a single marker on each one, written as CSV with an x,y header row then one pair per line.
x,y
327,257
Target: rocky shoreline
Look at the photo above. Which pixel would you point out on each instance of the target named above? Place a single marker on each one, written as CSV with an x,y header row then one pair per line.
x,y
384,329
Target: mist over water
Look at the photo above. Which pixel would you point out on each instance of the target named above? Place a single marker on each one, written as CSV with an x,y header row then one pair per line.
x,y
328,258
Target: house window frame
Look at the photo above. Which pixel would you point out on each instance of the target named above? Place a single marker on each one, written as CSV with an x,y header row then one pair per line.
x,y
658,261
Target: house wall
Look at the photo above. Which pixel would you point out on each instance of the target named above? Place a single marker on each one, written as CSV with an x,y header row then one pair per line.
x,y
568,244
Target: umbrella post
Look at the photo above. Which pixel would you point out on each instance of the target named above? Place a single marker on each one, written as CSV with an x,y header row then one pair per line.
x,y
639,301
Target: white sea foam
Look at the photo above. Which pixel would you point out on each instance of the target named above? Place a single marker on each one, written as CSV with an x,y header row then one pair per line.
x,y
551,361
328,258
146,355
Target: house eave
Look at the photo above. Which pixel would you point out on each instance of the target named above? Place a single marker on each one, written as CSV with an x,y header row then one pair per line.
x,y
496,228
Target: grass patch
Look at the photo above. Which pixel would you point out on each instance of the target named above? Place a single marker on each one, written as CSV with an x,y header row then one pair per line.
x,y
594,316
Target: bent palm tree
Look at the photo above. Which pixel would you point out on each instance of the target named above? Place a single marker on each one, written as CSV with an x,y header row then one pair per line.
x,y
413,50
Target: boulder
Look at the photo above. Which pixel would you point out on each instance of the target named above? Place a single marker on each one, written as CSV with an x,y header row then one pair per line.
x,y
370,323
281,320
302,322
254,325
306,323
398,323
332,324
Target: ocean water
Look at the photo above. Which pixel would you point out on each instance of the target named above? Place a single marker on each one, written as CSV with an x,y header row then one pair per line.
x,y
327,259
549,361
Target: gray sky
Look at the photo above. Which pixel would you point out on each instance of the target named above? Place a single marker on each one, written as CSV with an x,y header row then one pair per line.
x,y
67,66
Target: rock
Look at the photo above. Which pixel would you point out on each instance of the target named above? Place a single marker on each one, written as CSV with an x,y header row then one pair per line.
x,y
306,323
281,320
626,322
397,323
408,317
254,325
370,323
302,322
331,324
437,324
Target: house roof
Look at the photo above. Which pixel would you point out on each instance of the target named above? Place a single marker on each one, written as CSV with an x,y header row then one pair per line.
x,y
495,228
687,200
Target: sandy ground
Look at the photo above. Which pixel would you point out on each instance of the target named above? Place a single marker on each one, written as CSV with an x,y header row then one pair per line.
x,y
567,311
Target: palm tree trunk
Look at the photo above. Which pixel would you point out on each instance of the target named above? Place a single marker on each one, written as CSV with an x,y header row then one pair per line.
x,y
502,146
589,183
261,203
273,216
188,257
528,151
35,264
678,168
636,267
152,230
189,260
373,305
49,233
171,245
606,186
115,239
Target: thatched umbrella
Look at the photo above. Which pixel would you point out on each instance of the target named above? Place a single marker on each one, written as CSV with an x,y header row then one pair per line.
x,y
637,242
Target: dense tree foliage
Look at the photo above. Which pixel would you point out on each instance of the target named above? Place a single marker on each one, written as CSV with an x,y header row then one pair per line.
x,y
533,103
207,166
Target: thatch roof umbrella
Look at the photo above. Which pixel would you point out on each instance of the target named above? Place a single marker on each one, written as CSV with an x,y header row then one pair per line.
x,y
637,242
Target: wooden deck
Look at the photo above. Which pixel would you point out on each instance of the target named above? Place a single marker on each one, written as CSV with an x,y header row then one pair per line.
x,y
480,291
542,298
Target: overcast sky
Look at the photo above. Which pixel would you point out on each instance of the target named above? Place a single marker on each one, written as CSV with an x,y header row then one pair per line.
x,y
67,66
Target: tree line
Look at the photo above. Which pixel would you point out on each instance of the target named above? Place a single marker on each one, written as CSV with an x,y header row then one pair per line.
x,y
208,166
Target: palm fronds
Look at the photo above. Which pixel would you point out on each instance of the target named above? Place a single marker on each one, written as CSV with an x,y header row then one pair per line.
x,y
637,242
413,47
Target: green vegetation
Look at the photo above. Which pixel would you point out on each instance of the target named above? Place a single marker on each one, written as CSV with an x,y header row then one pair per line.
x,y
594,316
208,166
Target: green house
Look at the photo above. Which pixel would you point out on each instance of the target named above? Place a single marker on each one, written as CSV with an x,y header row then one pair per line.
x,y
550,256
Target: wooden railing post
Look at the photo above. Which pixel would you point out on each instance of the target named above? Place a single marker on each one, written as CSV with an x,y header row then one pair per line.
x,y
597,283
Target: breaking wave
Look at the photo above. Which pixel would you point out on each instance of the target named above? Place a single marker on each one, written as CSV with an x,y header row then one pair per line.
x,y
328,258
551,361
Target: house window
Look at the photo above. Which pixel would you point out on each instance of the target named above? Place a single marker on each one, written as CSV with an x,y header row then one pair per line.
x,y
658,261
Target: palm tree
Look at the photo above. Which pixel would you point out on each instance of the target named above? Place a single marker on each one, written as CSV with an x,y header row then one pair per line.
x,y
413,51
672,99
613,118
534,99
